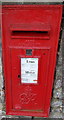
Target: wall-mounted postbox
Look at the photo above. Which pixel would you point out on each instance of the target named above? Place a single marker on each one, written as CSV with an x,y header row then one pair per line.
x,y
30,36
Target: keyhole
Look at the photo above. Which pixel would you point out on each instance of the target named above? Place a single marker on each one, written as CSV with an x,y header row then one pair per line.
x,y
18,76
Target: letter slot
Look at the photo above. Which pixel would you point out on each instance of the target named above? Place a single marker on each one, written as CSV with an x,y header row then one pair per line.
x,y
40,32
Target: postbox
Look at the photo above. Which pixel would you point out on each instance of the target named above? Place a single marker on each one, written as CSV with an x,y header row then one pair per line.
x,y
30,35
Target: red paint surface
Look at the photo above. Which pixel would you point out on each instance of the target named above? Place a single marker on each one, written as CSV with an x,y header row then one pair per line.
x,y
44,23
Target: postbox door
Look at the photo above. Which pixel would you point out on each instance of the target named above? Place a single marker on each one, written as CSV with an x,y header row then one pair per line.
x,y
29,78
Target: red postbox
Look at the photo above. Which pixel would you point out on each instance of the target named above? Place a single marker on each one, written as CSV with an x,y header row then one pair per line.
x,y
30,36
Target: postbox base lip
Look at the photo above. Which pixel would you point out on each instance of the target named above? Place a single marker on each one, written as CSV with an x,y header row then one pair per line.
x,y
17,113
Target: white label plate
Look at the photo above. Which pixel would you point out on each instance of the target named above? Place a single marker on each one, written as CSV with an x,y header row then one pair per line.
x,y
29,70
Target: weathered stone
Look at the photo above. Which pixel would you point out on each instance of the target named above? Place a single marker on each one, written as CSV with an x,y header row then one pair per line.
x,y
3,113
0,117
4,107
56,103
57,93
55,115
32,1
59,71
0,69
0,112
0,106
56,109
1,82
0,60
58,84
2,96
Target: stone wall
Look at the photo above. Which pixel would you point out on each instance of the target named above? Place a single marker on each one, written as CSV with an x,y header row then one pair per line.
x,y
56,103
31,0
